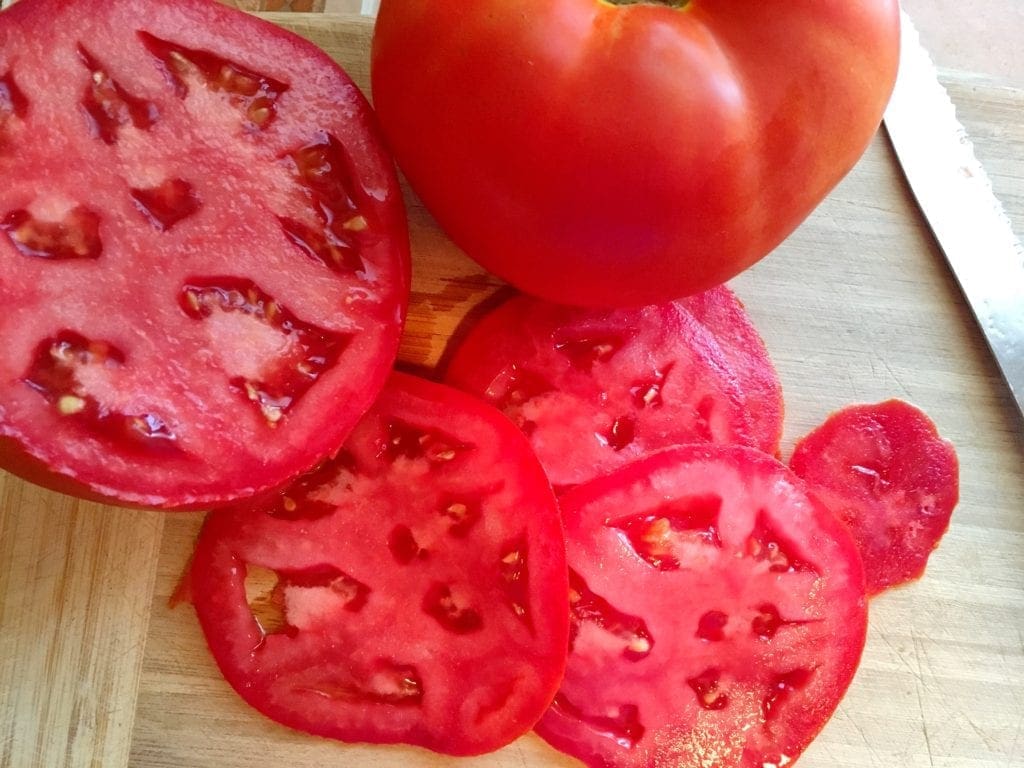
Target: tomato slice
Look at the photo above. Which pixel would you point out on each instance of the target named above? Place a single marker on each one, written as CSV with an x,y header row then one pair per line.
x,y
886,472
411,590
721,312
203,251
596,389
718,614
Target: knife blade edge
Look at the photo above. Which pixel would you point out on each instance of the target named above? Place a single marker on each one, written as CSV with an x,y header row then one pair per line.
x,y
956,197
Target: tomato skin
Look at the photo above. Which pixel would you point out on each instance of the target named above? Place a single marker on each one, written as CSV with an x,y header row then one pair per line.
x,y
450,505
167,165
597,154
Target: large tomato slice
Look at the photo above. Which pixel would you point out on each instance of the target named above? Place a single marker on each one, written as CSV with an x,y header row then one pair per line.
x,y
886,472
413,590
203,251
718,614
596,389
627,152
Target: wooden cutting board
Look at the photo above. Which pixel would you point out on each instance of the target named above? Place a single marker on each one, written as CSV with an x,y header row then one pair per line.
x,y
97,670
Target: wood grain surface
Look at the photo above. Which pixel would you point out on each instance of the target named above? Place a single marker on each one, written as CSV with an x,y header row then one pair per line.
x,y
96,668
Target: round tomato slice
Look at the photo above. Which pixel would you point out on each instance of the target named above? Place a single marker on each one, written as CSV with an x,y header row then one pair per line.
x,y
886,472
596,389
721,312
203,251
718,614
412,590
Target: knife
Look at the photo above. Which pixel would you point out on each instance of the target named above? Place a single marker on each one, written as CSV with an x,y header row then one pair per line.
x,y
955,195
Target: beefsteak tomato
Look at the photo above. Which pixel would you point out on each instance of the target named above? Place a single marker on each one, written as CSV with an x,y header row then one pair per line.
x,y
614,152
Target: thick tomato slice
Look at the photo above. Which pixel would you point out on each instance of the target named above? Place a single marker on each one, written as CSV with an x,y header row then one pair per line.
x,y
722,313
886,472
203,251
718,614
596,389
412,590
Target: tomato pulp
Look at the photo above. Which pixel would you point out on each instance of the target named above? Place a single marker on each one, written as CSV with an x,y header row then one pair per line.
x,y
203,251
412,590
604,152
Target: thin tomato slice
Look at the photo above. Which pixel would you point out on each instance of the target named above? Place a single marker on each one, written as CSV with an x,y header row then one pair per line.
x,y
203,251
596,389
718,614
886,472
412,590
721,312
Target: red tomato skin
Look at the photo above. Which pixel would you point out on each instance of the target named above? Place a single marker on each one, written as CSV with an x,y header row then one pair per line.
x,y
245,37
262,666
612,570
607,155
885,471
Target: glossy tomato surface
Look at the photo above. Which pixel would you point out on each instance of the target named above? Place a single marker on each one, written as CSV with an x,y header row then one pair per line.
x,y
413,590
203,251
718,614
595,389
603,153
885,471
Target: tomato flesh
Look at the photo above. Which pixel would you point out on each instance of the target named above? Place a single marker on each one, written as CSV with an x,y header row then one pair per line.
x,y
411,590
203,248
718,614
596,389
886,472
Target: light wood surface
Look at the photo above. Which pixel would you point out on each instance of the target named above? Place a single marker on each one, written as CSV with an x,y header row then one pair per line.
x,y
96,669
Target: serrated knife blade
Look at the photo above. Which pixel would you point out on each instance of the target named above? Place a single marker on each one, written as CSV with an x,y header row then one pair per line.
x,y
955,195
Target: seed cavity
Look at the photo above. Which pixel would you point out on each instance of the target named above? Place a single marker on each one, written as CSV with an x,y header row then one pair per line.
x,y
298,502
108,106
53,373
167,204
451,612
766,545
588,607
780,689
622,726
515,573
274,595
647,393
255,95
621,434
707,686
403,546
387,683
325,172
674,533
13,102
711,626
77,236
463,513
514,386
313,352
403,440
584,352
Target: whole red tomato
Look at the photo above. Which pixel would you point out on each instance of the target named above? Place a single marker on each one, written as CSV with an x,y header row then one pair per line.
x,y
619,153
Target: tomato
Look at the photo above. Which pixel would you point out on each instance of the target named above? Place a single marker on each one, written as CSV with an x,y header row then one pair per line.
x,y
722,313
886,472
718,614
203,251
615,152
595,389
412,590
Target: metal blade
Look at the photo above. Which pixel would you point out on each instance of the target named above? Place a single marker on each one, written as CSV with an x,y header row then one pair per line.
x,y
955,195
